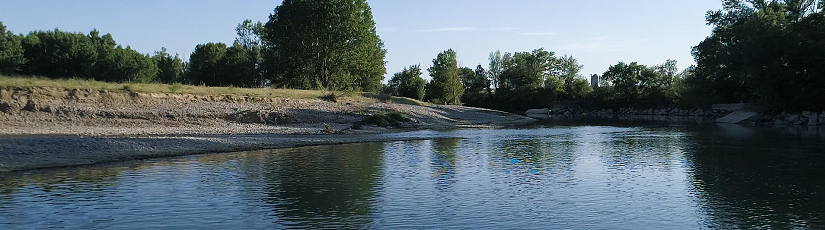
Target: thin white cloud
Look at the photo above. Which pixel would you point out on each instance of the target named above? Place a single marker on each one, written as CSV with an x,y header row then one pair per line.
x,y
450,29
509,28
537,33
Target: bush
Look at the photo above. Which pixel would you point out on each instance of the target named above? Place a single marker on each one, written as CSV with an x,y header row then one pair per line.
x,y
394,119
330,97
175,87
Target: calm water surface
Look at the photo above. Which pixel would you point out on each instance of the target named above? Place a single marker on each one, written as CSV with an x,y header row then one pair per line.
x,y
562,177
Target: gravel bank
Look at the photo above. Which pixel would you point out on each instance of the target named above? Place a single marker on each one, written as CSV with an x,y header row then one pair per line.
x,y
38,110
51,127
36,152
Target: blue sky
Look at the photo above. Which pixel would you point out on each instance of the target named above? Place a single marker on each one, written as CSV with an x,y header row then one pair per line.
x,y
598,33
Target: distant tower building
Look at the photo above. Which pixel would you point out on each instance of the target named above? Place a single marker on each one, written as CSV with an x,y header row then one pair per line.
x,y
594,81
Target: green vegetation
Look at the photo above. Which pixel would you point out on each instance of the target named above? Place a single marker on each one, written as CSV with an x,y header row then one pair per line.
x,y
476,85
394,119
11,51
176,88
407,83
772,52
446,86
329,97
345,53
634,85
324,44
766,51
393,99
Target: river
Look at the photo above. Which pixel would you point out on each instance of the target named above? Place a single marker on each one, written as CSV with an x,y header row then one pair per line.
x,y
619,176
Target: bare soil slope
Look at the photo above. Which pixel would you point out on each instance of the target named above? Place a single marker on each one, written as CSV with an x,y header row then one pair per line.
x,y
46,110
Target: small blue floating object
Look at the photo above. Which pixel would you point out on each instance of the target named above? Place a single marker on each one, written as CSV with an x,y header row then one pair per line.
x,y
514,161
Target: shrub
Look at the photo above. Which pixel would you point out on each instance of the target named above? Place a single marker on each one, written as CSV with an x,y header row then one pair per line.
x,y
394,119
329,97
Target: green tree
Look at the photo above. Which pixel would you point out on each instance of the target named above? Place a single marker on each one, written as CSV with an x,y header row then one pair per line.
x,y
526,71
639,85
11,52
134,66
58,54
170,69
249,36
577,88
408,83
568,69
625,80
763,51
206,64
475,81
446,85
476,86
239,67
329,44
495,68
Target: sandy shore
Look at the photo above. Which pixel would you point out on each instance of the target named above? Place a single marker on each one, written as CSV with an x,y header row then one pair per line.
x,y
49,127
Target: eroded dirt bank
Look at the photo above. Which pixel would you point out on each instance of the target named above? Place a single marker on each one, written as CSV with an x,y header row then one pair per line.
x,y
40,110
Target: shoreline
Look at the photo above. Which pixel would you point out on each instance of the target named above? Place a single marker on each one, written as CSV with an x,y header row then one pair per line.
x,y
22,153
42,127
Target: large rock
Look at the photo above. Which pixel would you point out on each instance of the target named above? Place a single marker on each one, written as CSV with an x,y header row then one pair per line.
x,y
806,113
738,117
792,118
822,118
813,120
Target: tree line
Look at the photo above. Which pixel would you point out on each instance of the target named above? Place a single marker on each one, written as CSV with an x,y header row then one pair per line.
x,y
306,44
760,51
766,51
771,52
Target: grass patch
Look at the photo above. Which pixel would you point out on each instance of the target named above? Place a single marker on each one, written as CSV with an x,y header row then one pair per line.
x,y
175,87
161,88
393,99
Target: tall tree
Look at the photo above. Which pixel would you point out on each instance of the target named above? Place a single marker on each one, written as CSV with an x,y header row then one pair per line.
x,y
239,66
206,65
408,83
495,68
476,86
446,84
170,69
475,81
329,44
249,37
764,51
11,52
526,71
568,69
59,54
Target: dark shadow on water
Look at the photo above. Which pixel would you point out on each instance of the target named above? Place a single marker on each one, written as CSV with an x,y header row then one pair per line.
x,y
759,178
